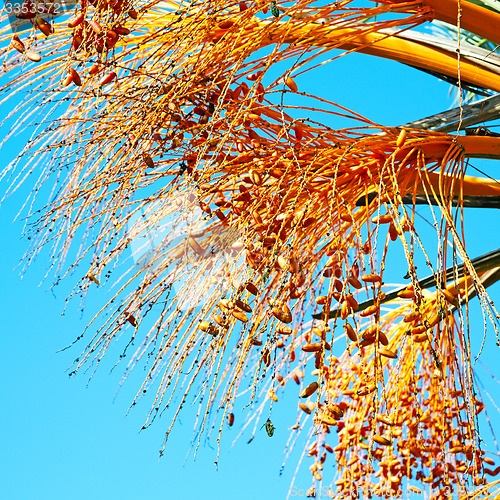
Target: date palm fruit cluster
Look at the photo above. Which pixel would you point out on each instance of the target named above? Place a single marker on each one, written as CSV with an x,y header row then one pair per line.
x,y
132,103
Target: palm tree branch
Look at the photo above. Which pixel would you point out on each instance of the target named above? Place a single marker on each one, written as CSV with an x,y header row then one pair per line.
x,y
486,265
474,18
397,48
471,114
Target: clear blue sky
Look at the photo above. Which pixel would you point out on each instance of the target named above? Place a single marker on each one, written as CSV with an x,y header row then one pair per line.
x,y
63,440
